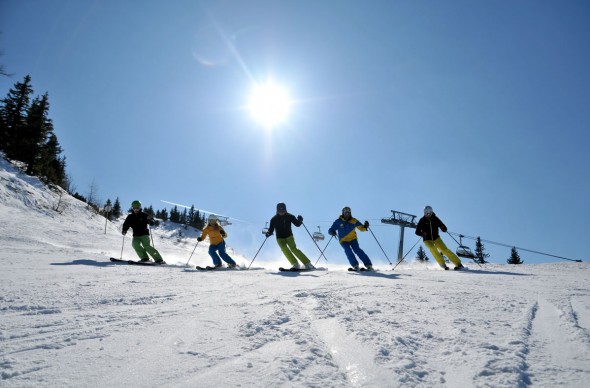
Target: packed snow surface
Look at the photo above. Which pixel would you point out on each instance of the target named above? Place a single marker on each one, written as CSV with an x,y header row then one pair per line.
x,y
69,317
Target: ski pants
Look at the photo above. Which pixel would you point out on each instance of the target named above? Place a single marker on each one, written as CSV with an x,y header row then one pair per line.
x,y
220,248
142,247
352,247
290,250
438,245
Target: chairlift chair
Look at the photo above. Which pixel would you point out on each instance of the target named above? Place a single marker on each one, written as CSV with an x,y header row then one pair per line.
x,y
223,221
317,236
265,229
463,250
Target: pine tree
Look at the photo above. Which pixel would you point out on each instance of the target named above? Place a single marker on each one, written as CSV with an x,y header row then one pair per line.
x,y
514,257
191,217
108,215
479,252
49,165
200,220
117,208
184,218
174,215
13,114
421,255
36,132
26,134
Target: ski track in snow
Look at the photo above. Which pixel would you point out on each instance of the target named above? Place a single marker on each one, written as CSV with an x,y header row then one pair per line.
x,y
71,318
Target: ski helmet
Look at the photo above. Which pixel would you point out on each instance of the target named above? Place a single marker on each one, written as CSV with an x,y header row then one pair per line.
x,y
428,211
346,209
212,218
136,203
281,207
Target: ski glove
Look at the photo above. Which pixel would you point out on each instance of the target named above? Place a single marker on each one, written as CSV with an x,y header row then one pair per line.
x,y
443,229
199,239
366,225
299,218
268,234
124,232
333,233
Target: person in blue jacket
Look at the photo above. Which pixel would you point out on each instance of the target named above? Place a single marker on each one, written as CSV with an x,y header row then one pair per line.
x,y
345,226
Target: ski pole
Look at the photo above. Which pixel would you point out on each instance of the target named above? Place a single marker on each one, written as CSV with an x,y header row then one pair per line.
x,y
407,253
189,258
316,244
369,229
151,236
257,252
122,245
316,263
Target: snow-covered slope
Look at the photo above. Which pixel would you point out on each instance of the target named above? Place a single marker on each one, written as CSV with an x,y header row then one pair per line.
x,y
71,318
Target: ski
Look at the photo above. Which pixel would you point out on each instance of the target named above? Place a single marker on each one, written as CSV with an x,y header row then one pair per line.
x,y
207,268
295,269
359,270
146,263
210,268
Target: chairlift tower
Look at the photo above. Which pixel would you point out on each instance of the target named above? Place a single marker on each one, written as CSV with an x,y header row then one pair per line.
x,y
403,220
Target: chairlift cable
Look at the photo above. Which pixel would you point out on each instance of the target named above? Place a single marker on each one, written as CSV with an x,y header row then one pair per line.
x,y
513,246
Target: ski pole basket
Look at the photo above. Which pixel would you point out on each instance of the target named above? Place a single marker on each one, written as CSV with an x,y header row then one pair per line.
x,y
317,236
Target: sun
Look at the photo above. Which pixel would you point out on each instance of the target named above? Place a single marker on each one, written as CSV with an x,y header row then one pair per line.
x,y
269,104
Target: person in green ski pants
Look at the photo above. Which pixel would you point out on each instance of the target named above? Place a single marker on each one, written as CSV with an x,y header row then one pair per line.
x,y
138,221
281,222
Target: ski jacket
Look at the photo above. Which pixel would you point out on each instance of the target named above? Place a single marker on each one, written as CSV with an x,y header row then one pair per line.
x,y
428,227
282,223
346,229
215,233
139,223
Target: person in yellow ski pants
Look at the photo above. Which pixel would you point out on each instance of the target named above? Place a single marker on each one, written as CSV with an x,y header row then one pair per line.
x,y
428,228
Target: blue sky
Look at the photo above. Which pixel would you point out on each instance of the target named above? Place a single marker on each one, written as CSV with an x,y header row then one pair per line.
x,y
479,109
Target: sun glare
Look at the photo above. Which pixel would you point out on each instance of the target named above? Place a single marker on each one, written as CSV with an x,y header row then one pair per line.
x,y
269,104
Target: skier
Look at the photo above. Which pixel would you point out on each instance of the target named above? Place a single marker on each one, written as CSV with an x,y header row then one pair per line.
x,y
216,235
282,223
346,226
138,221
428,228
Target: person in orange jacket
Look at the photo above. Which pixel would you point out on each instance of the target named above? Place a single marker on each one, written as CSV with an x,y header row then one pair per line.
x,y
217,244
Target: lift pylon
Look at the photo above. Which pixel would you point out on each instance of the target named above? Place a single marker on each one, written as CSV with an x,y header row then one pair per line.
x,y
404,220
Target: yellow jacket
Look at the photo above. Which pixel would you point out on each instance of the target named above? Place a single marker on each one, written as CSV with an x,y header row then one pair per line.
x,y
215,233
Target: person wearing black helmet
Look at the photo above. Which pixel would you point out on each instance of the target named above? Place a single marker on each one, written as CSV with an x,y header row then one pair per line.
x,y
345,226
139,221
281,222
428,228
